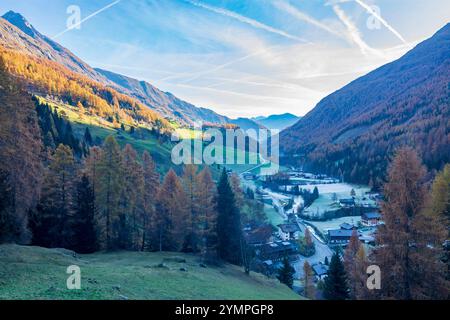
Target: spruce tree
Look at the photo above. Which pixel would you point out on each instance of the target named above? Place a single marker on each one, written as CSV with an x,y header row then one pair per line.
x,y
286,273
335,286
229,230
85,235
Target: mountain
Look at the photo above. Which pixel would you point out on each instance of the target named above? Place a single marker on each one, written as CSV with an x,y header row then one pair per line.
x,y
355,130
278,122
14,27
165,103
246,124
17,34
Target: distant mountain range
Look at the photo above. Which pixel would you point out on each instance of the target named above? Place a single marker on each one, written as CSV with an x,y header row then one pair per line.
x,y
278,122
354,131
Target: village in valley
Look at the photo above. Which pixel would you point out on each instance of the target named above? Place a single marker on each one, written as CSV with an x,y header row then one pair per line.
x,y
309,217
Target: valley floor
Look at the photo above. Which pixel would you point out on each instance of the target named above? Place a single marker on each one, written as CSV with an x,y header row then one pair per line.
x,y
39,273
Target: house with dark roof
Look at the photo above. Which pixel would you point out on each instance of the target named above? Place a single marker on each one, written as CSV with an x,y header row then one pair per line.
x,y
320,270
347,226
276,251
371,219
347,203
289,231
260,235
339,236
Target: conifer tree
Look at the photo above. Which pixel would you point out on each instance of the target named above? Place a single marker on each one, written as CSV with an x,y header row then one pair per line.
x,y
440,208
410,241
229,230
335,286
351,267
207,214
84,228
109,172
149,197
308,281
190,184
286,273
55,217
172,213
131,200
20,152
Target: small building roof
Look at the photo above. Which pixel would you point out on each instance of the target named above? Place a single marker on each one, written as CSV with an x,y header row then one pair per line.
x,y
347,201
320,269
340,233
372,215
347,226
289,227
259,235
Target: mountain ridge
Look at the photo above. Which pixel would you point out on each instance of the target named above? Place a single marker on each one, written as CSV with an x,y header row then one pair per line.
x,y
405,102
16,33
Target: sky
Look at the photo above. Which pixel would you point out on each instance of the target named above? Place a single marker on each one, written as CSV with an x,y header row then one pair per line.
x,y
239,58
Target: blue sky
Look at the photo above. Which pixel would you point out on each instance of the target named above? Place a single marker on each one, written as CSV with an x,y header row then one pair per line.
x,y
241,58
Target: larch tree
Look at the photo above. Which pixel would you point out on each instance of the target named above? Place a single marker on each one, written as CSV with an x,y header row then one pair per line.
x,y
351,267
129,227
172,213
207,214
439,208
308,281
190,184
409,247
56,214
20,153
150,192
109,189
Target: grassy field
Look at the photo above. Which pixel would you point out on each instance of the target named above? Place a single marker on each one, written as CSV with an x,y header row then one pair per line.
x,y
38,273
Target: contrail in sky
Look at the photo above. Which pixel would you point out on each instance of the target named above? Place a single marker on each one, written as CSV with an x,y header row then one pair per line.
x,y
251,22
380,18
87,18
354,33
304,17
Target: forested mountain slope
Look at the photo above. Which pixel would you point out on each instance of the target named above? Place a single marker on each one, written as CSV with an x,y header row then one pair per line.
x,y
354,131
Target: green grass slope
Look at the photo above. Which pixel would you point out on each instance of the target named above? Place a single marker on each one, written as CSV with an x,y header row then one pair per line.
x,y
39,273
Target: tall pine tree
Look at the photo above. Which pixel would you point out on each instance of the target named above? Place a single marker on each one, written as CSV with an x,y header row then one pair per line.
x,y
335,286
229,230
84,227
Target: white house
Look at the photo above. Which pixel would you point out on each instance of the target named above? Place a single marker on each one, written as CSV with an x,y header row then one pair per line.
x,y
288,231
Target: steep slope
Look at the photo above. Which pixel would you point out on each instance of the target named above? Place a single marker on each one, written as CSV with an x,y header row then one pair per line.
x,y
278,121
355,130
163,102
